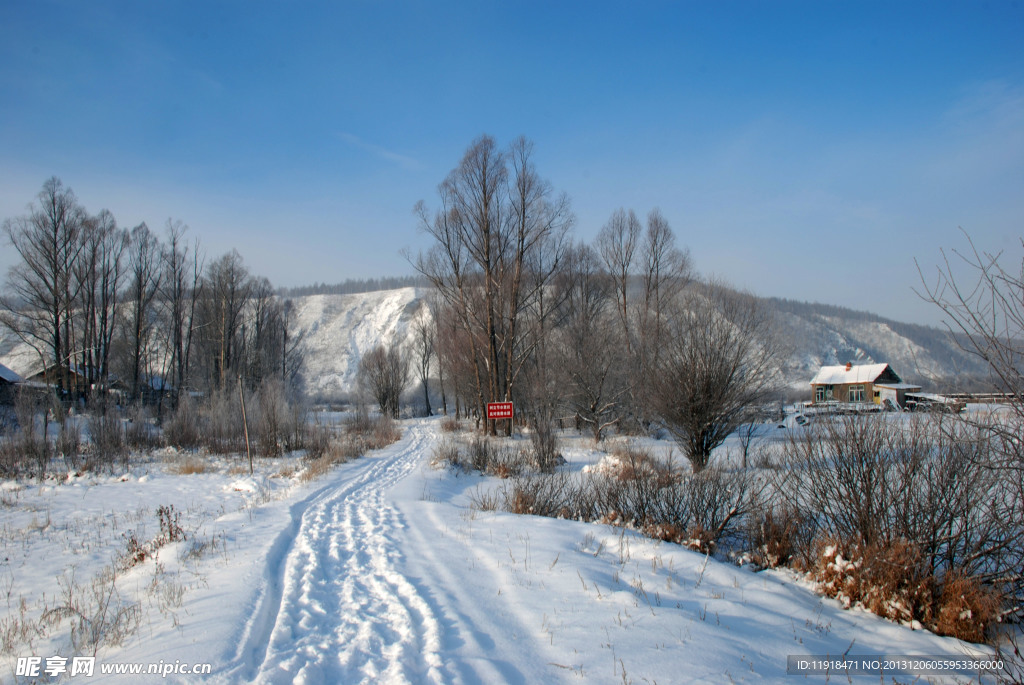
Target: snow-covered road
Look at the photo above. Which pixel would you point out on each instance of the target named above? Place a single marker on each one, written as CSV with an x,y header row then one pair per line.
x,y
345,612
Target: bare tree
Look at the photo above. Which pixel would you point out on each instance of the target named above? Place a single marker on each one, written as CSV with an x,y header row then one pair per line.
x,y
617,244
41,303
266,343
591,345
982,299
226,289
719,358
144,283
100,272
496,214
423,347
665,272
181,287
384,374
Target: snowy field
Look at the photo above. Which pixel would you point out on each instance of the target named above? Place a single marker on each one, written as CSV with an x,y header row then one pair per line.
x,y
382,572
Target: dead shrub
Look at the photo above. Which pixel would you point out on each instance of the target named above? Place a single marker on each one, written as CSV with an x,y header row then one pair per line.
x,y
507,461
923,486
372,433
480,453
69,444
668,532
10,457
139,431
97,614
316,468
885,579
484,500
317,441
446,455
106,438
545,446
638,462
544,495
182,429
329,451
965,608
170,525
450,424
222,431
136,551
894,581
781,536
385,432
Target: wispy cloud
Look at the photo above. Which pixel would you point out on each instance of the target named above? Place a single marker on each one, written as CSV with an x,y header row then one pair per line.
x,y
404,161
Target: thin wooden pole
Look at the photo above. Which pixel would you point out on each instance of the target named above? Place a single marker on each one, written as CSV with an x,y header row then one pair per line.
x,y
245,425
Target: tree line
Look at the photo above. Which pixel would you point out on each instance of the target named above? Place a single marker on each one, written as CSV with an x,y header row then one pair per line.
x,y
355,286
107,307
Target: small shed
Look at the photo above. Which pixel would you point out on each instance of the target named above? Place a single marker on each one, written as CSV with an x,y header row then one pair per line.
x,y
859,385
9,382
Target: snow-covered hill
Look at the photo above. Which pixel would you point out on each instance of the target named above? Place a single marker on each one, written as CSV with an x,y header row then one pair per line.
x,y
337,330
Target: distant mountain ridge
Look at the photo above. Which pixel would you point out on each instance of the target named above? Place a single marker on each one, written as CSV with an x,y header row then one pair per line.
x,y
823,335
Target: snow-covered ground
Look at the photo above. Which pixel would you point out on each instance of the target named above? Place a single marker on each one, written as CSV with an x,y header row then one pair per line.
x,y
382,572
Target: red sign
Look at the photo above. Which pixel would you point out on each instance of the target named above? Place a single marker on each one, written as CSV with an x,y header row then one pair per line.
x,y
499,410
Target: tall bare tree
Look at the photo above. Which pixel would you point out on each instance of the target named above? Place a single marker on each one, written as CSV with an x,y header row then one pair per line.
x,y
225,293
144,276
617,244
181,287
41,301
982,299
496,214
424,348
100,272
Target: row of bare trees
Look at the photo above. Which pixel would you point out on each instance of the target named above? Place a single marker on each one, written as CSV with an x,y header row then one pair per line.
x,y
108,307
620,333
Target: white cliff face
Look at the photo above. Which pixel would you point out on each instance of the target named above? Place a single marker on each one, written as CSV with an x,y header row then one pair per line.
x,y
337,330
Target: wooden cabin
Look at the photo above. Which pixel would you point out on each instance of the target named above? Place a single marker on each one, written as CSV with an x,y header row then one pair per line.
x,y
861,385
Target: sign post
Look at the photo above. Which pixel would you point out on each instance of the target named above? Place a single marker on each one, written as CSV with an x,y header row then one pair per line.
x,y
500,410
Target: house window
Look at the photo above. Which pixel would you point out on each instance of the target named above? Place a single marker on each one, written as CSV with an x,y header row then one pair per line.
x,y
856,393
823,393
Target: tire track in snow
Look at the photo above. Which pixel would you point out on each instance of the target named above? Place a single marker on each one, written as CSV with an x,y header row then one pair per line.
x,y
344,612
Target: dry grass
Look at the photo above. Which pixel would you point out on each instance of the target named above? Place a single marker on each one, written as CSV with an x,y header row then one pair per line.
x,y
190,466
450,424
360,436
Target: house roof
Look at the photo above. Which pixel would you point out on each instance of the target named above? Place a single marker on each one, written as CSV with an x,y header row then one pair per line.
x,y
839,375
898,386
9,376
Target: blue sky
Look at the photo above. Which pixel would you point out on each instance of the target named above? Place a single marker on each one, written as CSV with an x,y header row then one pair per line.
x,y
806,150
